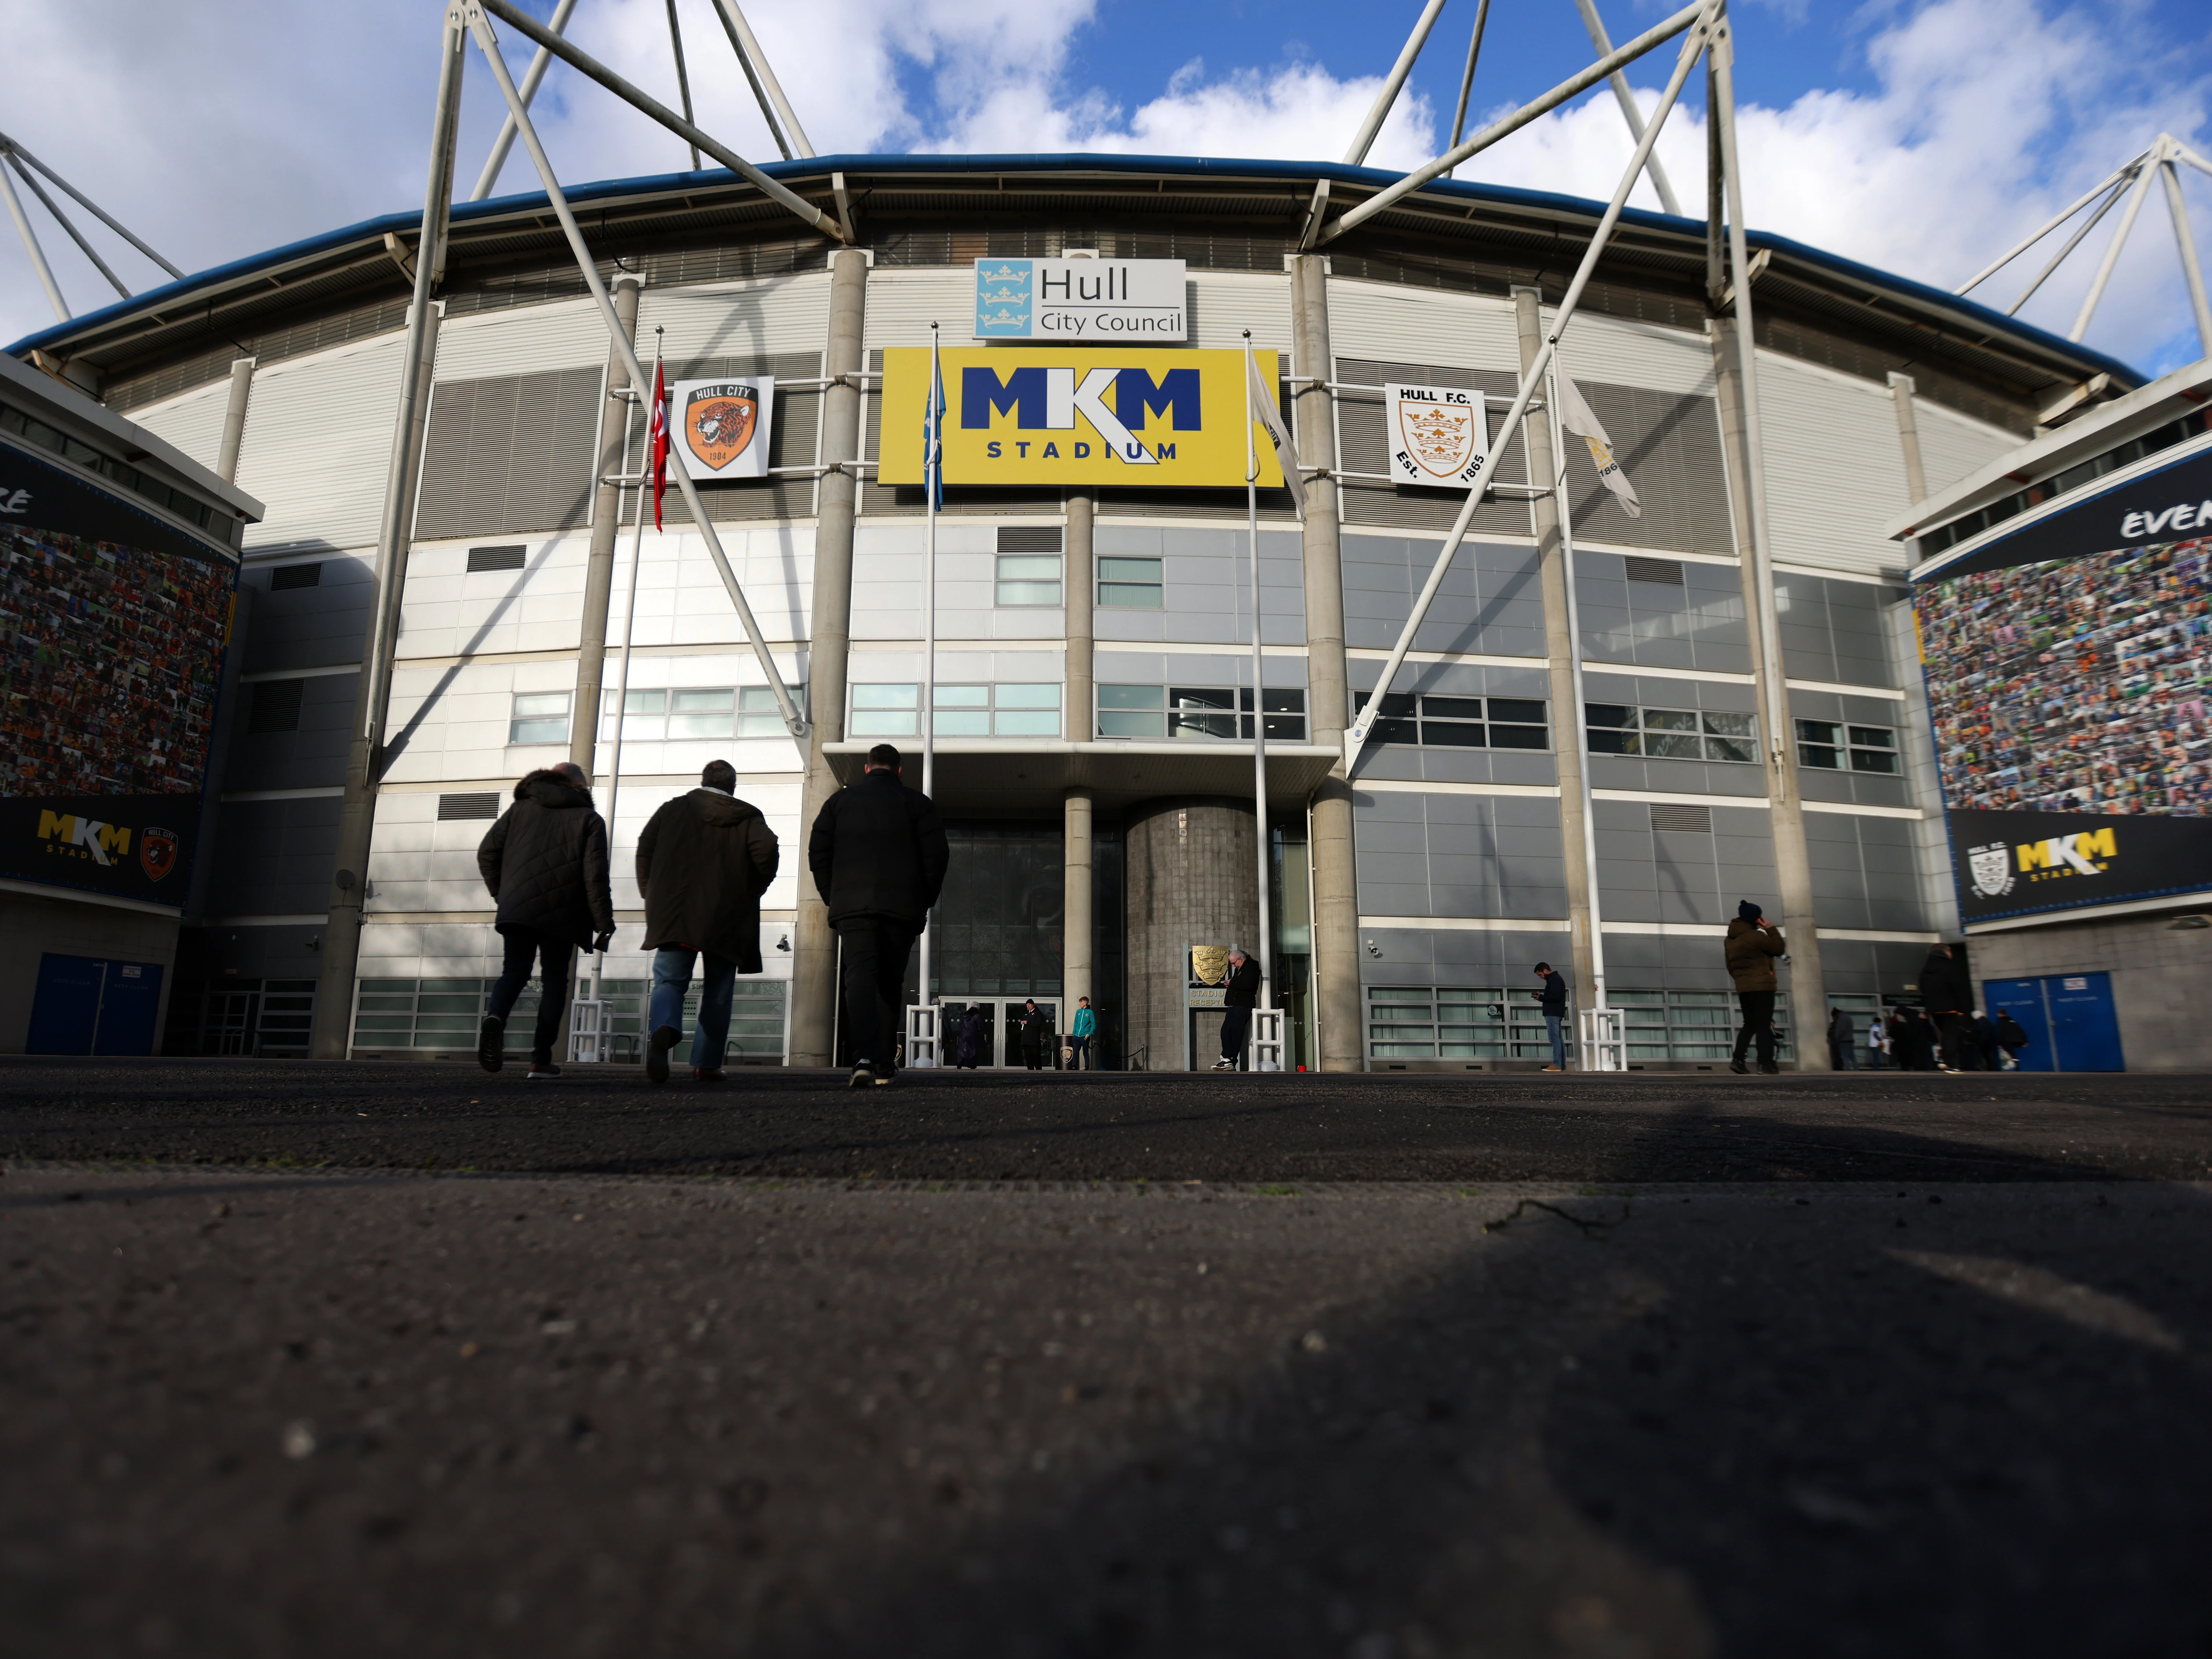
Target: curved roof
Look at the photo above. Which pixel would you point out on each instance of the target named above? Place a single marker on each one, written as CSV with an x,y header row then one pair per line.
x,y
292,266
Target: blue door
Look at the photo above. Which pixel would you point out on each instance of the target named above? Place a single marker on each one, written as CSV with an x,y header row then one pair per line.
x,y
87,1006
2085,1028
2023,999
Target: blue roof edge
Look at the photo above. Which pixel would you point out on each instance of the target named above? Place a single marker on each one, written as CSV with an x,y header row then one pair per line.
x,y
822,166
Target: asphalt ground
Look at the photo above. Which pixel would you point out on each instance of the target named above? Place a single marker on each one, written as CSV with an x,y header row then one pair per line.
x,y
378,1359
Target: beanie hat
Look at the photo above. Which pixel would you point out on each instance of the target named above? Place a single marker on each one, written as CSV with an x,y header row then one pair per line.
x,y
1747,910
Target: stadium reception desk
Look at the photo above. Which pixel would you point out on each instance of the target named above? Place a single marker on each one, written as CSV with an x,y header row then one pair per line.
x,y
116,618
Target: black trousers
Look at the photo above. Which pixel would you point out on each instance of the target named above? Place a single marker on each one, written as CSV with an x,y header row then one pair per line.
x,y
1758,1008
552,957
1235,1024
1957,1031
1033,1054
875,949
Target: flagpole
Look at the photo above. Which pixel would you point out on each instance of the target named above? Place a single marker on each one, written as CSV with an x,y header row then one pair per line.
x,y
1579,722
1259,692
932,481
629,625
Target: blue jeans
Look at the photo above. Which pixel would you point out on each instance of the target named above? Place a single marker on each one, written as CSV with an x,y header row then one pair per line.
x,y
1557,1025
671,978
1078,1059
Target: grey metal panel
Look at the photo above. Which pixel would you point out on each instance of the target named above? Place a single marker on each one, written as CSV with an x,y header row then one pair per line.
x,y
312,756
1668,444
1699,624
1364,447
309,627
793,440
274,857
510,452
1489,602
1451,856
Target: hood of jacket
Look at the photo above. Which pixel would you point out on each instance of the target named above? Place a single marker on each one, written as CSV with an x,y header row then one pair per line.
x,y
1739,927
546,789
723,812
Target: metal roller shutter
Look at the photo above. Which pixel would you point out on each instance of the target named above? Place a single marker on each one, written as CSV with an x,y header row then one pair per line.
x,y
318,447
510,452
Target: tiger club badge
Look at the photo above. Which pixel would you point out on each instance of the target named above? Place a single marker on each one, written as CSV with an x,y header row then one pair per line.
x,y
723,426
1437,437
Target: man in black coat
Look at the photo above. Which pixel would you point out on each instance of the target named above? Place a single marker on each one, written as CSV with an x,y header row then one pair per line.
x,y
1240,995
1949,1000
545,862
879,855
1037,1028
702,863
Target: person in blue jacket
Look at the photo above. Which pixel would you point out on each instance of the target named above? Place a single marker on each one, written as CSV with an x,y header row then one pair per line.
x,y
1079,1035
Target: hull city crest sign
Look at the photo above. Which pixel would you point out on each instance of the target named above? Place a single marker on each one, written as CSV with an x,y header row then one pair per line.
x,y
1438,436
723,426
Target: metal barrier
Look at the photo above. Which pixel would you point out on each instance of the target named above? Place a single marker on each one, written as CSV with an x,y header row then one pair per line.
x,y
1264,1049
587,1027
1604,1040
921,1025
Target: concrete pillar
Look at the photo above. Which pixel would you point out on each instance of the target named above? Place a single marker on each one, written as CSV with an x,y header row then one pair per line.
x,y
1558,645
1076,918
1189,865
1340,1027
234,420
1793,866
814,948
1079,590
607,525
1908,436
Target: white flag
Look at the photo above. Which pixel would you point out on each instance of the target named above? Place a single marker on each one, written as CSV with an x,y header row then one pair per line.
x,y
1574,416
1261,397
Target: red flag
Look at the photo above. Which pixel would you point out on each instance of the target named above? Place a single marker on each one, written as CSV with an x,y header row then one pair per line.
x,y
659,438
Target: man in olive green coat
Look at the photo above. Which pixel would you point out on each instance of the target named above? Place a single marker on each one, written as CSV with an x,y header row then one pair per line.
x,y
702,864
1753,944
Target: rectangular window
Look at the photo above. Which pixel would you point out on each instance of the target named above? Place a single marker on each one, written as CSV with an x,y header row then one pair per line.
x,y
1201,712
1129,584
757,714
1286,711
1614,728
1834,747
1457,722
1028,579
644,721
1025,711
539,717
884,711
963,711
698,713
1132,711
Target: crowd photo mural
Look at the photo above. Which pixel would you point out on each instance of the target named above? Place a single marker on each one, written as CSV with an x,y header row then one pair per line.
x,y
2068,692
112,628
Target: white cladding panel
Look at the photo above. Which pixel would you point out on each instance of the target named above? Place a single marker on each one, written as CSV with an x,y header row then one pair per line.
x,y
1385,322
902,305
318,445
1223,304
526,340
451,612
1952,445
740,319
681,599
193,423
1835,467
1622,353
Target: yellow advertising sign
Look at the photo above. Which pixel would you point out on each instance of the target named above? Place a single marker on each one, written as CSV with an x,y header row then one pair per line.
x,y
1076,415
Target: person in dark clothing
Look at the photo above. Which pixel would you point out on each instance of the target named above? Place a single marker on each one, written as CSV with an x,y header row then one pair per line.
x,y
1920,1040
702,863
2012,1036
1842,1042
1240,995
1552,999
545,862
968,1052
878,854
1752,945
1985,1032
1037,1028
1950,1002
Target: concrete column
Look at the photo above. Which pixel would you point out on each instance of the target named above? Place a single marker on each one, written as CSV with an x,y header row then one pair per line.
x,y
234,420
1189,873
607,525
1341,1028
1076,917
1793,865
1558,646
814,948
1908,436
1078,589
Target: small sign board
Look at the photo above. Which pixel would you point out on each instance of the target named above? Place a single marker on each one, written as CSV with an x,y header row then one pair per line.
x,y
721,426
1438,436
1081,302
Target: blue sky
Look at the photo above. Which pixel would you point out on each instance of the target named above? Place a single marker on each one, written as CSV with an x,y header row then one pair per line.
x,y
1921,135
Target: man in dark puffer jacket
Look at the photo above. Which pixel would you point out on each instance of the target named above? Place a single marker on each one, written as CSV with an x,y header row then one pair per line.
x,y
545,862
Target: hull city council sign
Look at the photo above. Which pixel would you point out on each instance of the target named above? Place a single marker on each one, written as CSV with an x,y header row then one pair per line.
x,y
1072,301
1057,414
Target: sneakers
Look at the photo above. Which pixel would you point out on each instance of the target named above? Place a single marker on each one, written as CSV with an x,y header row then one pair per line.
x,y
544,1070
1555,1068
1224,1064
1737,1066
863,1076
657,1046
491,1043
702,1073
1768,1068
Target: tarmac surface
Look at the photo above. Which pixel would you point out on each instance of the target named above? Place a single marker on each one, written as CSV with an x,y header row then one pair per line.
x,y
380,1358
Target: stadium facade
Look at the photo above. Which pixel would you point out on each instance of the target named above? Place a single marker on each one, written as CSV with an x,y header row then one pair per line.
x,y
1094,674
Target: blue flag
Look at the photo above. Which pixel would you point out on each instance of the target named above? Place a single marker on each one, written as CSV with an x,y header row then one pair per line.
x,y
932,433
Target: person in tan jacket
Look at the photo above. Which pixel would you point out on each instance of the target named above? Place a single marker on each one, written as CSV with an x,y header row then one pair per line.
x,y
1753,943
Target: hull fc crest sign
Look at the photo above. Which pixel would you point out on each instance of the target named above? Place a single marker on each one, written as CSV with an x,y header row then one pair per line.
x,y
1438,436
724,426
